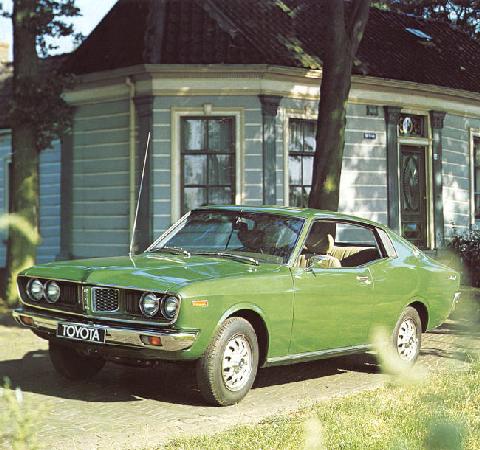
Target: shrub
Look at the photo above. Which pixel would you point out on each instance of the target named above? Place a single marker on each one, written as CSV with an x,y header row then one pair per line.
x,y
467,247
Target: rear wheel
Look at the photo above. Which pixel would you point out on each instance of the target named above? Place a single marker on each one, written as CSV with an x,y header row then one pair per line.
x,y
407,336
72,364
227,370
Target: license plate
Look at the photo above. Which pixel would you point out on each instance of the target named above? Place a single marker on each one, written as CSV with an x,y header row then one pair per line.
x,y
81,332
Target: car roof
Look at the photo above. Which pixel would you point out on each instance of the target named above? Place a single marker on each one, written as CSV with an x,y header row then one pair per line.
x,y
304,213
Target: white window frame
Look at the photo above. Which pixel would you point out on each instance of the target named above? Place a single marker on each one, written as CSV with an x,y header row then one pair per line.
x,y
206,111
306,114
474,133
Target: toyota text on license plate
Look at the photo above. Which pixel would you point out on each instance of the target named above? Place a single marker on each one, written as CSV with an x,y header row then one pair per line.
x,y
81,332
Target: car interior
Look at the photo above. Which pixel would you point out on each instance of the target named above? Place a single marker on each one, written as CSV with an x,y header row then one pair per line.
x,y
353,246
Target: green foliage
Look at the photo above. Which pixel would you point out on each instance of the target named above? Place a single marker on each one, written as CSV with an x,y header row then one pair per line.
x,y
467,247
17,423
439,413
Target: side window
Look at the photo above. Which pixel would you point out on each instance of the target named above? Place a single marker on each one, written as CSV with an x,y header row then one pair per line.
x,y
341,243
387,243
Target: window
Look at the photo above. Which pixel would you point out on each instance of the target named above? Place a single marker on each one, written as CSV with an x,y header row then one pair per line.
x,y
340,244
410,125
476,175
301,149
208,161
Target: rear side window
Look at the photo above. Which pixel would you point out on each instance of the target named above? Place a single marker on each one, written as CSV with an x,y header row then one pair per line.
x,y
387,243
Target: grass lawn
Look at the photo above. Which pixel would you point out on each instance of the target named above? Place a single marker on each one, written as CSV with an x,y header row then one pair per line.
x,y
440,412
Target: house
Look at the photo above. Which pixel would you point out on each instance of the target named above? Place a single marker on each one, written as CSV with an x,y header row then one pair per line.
x,y
229,92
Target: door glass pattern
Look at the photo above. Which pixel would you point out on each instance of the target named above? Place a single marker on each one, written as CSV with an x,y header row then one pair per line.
x,y
413,195
410,125
208,161
301,149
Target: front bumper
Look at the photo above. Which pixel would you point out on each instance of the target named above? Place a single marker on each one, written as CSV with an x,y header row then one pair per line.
x,y
116,334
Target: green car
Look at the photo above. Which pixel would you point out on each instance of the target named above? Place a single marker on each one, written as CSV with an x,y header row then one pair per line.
x,y
235,288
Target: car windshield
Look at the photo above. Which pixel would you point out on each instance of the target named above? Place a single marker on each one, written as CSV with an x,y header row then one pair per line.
x,y
247,236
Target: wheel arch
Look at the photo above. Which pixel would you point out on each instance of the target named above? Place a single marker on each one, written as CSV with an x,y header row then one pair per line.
x,y
422,311
255,317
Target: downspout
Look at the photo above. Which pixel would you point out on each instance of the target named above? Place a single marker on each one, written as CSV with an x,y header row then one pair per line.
x,y
132,153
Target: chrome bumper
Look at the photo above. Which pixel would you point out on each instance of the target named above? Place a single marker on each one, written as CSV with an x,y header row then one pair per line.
x,y
171,340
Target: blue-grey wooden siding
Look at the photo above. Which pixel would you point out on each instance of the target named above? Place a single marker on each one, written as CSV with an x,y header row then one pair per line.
x,y
49,181
5,151
162,149
101,179
456,172
49,218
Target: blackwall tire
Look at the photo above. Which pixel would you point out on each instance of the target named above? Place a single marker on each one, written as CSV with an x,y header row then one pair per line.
x,y
228,368
407,335
71,364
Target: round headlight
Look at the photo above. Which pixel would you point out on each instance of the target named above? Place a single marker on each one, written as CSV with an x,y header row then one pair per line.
x,y
35,290
170,307
149,304
52,292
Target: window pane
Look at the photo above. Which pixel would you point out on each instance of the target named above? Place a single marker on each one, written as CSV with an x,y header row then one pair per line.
x,y
309,143
307,169
353,234
220,135
295,143
193,198
296,196
305,195
220,169
193,134
195,169
295,170
220,196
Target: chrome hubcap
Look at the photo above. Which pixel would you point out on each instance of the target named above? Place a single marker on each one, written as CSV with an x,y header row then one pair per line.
x,y
237,363
407,341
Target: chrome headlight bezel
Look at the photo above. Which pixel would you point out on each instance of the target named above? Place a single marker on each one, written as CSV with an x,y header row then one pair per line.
x,y
47,295
30,294
154,299
170,300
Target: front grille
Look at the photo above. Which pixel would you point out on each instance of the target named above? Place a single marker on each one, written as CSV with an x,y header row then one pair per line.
x,y
105,299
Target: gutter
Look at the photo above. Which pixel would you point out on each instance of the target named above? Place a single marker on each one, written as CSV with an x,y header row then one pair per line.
x,y
132,153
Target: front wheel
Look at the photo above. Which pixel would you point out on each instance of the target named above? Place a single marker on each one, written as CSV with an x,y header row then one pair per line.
x,y
407,335
227,370
72,364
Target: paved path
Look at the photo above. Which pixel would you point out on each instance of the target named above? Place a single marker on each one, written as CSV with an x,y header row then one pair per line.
x,y
135,408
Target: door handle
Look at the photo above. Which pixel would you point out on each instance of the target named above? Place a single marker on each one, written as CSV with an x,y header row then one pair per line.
x,y
364,279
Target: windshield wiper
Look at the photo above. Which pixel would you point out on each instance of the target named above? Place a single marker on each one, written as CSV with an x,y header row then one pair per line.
x,y
240,258
175,250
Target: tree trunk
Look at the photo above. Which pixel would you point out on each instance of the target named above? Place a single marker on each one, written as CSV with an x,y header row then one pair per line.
x,y
330,139
344,29
21,251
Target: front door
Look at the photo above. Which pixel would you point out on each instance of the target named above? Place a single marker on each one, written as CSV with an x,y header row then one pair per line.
x,y
333,308
413,195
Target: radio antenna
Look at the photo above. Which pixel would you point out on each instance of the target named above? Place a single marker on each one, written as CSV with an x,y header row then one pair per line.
x,y
134,228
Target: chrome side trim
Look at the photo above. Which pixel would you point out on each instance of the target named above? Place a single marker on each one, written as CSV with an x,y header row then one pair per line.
x,y
172,340
308,356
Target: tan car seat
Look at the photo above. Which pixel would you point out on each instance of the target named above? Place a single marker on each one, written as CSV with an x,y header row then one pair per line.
x,y
321,247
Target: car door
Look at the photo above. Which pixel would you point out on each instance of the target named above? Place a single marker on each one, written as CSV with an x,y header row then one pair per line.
x,y
333,306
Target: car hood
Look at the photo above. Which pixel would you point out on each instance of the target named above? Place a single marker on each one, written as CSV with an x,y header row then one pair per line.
x,y
146,272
